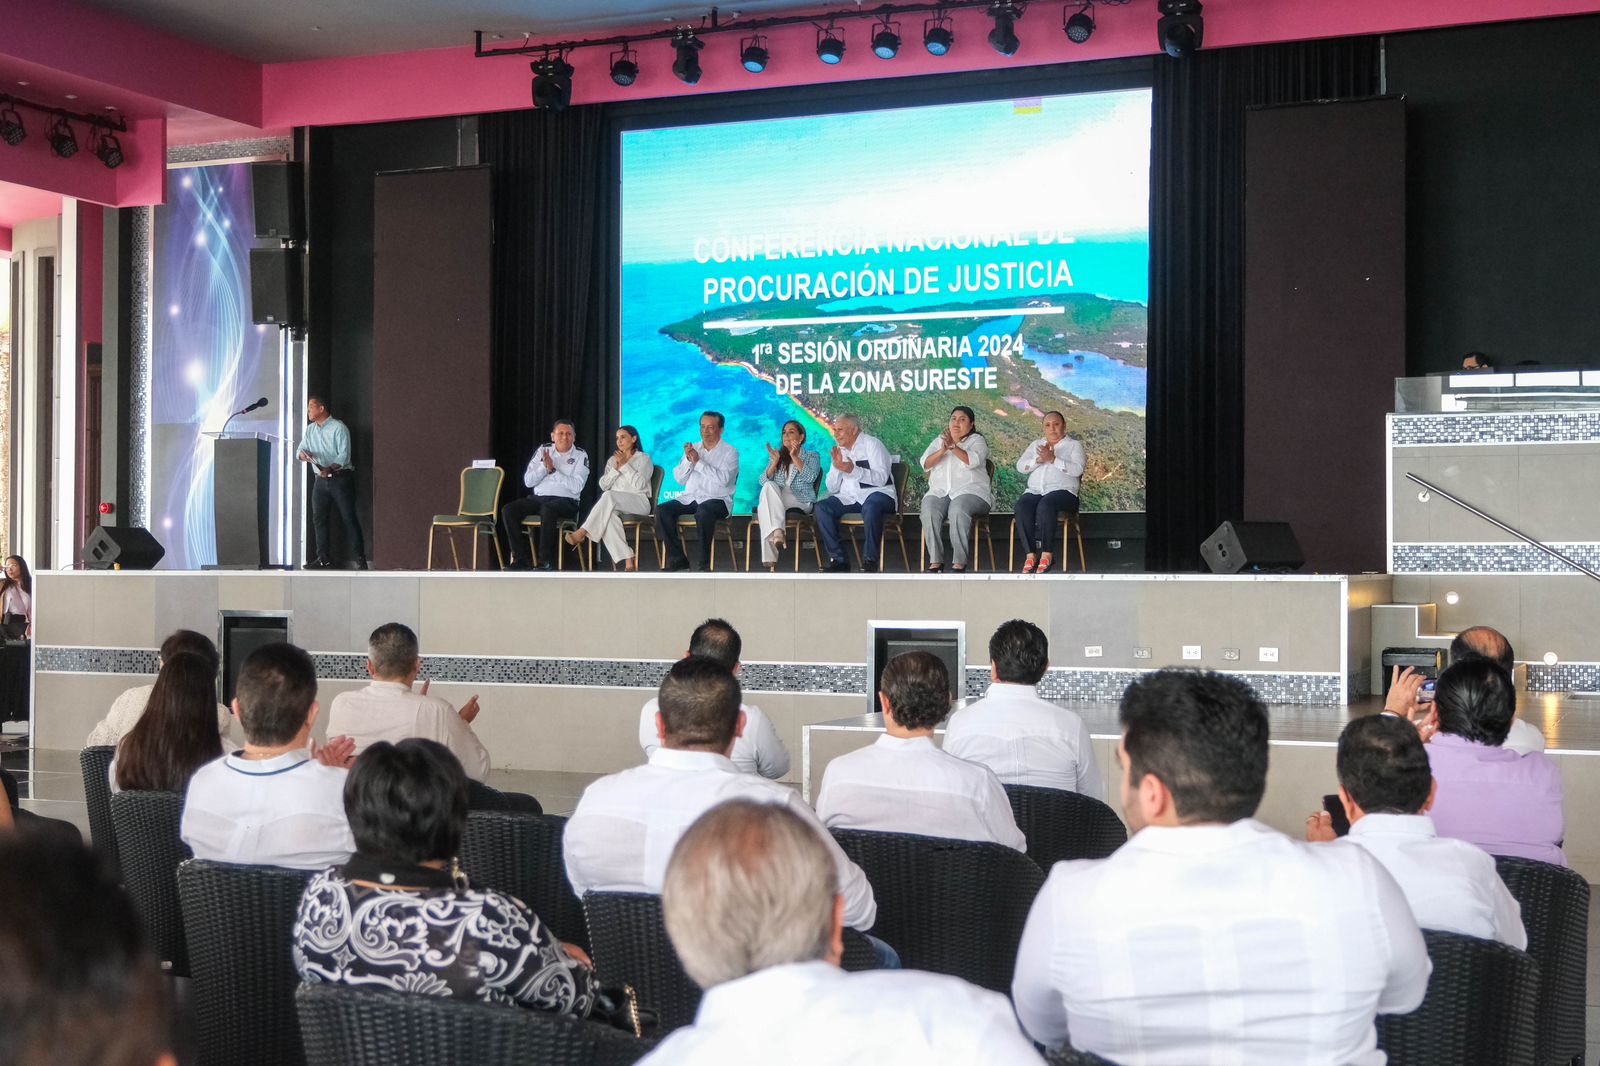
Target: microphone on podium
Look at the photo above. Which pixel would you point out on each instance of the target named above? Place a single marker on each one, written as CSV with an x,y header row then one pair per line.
x,y
255,406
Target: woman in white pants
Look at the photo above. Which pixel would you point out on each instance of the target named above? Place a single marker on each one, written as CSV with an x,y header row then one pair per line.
x,y
958,489
624,490
790,480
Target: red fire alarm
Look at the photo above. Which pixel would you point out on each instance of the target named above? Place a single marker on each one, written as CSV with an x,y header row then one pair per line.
x,y
107,508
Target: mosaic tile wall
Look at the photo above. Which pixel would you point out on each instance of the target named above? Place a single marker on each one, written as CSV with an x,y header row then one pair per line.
x,y
1505,558
1564,677
139,366
1543,427
257,148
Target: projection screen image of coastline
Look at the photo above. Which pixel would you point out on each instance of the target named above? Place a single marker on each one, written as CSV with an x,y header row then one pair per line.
x,y
894,264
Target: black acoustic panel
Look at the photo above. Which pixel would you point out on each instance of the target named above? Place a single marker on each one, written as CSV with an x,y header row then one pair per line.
x,y
122,547
275,287
279,193
1240,546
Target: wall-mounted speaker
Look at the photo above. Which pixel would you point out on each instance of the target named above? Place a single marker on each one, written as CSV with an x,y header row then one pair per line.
x,y
275,286
278,190
122,547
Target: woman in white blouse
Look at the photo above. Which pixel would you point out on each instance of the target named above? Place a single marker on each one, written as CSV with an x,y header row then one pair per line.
x,y
958,489
1054,465
790,481
16,596
624,490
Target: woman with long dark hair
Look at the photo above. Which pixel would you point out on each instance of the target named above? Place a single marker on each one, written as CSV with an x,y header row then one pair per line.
x,y
790,481
625,486
958,489
177,734
16,598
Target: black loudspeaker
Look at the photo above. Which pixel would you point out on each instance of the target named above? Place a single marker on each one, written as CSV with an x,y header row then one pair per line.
x,y
1237,546
122,547
279,207
275,286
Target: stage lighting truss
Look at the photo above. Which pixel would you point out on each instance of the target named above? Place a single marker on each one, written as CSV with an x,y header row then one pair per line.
x,y
1003,38
1079,27
1181,28
686,44
59,131
830,46
753,53
625,66
63,142
937,36
552,82
886,39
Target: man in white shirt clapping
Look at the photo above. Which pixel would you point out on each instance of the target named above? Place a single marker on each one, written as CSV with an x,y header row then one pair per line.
x,y
859,481
709,473
1025,740
903,783
556,475
1209,937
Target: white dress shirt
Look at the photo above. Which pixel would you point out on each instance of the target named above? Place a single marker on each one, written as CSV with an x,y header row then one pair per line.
x,y
126,710
634,476
758,750
951,477
626,825
907,785
284,811
1220,944
18,602
810,1013
1026,740
1524,738
390,710
872,472
1066,472
714,477
1450,884
570,475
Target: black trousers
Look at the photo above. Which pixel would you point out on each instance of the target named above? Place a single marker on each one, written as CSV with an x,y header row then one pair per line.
x,y
1037,515
336,493
550,509
707,513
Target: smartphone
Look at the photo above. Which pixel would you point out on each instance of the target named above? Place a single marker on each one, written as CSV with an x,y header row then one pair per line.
x,y
1425,693
1335,809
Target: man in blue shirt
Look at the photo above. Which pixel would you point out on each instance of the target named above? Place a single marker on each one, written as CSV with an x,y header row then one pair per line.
x,y
326,446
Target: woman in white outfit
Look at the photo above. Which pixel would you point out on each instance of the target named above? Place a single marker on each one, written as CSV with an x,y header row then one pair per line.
x,y
1054,464
790,481
624,490
958,489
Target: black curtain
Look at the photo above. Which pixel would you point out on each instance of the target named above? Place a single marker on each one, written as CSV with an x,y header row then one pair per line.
x,y
552,281
1195,407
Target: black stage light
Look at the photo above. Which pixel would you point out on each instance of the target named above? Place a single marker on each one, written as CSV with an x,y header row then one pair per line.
x,y
552,83
11,128
753,53
1004,35
1079,27
937,36
1181,28
624,66
62,140
686,67
109,151
830,46
886,40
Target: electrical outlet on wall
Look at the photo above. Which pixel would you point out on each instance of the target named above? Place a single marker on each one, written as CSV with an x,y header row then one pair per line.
x,y
1230,655
1141,653
1191,651
1092,651
1269,655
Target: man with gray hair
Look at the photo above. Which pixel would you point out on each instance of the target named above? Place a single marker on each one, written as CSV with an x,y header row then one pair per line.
x,y
859,482
753,909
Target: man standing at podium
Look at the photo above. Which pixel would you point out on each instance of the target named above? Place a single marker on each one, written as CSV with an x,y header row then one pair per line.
x,y
326,446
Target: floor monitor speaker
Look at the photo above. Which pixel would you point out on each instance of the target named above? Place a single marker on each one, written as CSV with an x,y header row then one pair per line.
x,y
122,548
1257,546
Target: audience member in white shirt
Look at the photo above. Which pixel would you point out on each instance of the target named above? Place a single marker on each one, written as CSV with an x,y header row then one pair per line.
x,y
958,489
273,802
1025,740
903,783
127,707
758,749
1209,937
625,826
752,907
1386,787
709,473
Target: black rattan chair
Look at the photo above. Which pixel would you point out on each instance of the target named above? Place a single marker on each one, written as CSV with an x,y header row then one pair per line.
x,y
95,763
1481,1007
1066,1056
520,854
482,797
1064,825
950,906
146,824
239,921
343,1026
1555,912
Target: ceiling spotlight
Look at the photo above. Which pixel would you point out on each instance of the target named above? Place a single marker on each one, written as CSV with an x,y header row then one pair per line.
x,y
753,53
687,45
886,39
830,46
62,140
1004,35
1181,27
11,128
937,36
109,151
552,83
1079,27
624,66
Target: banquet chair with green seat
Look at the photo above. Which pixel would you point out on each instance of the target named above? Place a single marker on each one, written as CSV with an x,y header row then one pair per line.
x,y
640,524
532,524
477,511
796,522
982,533
893,522
1072,527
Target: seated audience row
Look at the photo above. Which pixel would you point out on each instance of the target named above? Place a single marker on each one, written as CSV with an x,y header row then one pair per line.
x,y
130,705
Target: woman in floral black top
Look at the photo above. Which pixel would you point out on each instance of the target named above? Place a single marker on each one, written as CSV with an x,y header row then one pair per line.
x,y
400,916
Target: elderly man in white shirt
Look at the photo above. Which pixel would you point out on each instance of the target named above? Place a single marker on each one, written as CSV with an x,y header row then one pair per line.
x,y
758,749
271,803
709,474
1386,787
903,783
1025,740
624,828
959,490
1054,464
1209,937
557,474
752,909
860,481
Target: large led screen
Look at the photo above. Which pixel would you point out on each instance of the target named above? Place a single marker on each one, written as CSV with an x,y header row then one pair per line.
x,y
893,264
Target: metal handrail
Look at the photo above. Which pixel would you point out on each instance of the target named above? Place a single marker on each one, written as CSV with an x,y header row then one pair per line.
x,y
1515,532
